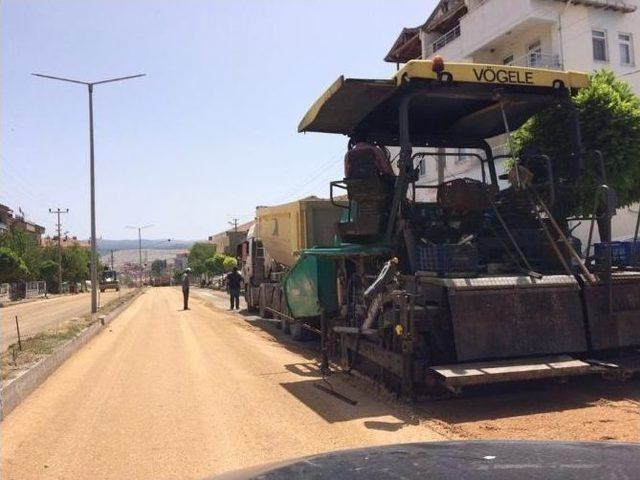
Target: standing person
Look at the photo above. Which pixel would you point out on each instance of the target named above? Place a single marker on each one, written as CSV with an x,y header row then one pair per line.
x,y
234,282
185,287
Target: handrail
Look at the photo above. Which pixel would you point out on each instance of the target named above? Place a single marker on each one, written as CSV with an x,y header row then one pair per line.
x,y
445,39
538,60
601,191
550,178
339,184
455,154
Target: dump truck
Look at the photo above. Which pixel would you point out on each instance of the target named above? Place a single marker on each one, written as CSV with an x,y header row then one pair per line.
x,y
485,282
273,243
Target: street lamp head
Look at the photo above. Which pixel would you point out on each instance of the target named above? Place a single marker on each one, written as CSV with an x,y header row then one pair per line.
x,y
89,84
60,78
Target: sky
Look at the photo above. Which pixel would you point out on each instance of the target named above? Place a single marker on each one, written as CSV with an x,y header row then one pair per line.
x,y
207,135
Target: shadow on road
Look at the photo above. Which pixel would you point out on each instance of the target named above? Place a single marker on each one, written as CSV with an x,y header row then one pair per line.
x,y
333,409
527,398
478,404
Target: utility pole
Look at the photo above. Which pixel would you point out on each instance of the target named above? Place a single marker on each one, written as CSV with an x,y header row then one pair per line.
x,y
94,253
112,267
234,222
140,228
59,211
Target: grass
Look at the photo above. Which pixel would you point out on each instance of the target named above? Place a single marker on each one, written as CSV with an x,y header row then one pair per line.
x,y
39,346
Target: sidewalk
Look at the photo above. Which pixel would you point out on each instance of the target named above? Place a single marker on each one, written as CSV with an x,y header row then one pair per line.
x,y
29,300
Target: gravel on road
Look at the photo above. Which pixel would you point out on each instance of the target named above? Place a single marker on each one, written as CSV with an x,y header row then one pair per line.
x,y
166,393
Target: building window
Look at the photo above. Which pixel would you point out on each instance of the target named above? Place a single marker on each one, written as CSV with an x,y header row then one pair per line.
x,y
508,60
599,40
534,54
625,41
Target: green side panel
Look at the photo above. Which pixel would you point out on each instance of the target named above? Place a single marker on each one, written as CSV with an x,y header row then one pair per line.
x,y
310,285
327,284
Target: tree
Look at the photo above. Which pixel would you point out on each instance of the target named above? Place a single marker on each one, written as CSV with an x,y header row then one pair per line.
x,y
25,245
75,264
17,240
229,263
12,267
215,264
198,254
609,116
48,272
158,267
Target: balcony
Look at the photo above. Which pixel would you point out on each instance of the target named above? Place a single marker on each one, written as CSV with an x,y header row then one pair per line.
x,y
445,39
615,5
489,24
539,60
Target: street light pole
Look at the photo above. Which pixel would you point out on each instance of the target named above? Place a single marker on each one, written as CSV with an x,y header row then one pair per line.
x,y
140,228
94,256
94,248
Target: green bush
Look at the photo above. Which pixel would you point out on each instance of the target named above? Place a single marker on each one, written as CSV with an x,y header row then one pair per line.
x,y
609,114
229,263
198,254
49,273
215,264
12,267
158,267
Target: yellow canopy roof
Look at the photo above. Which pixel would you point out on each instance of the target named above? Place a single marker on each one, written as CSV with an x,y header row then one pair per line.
x,y
464,105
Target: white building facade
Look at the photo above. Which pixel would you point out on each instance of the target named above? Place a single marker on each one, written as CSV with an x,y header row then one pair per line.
x,y
580,35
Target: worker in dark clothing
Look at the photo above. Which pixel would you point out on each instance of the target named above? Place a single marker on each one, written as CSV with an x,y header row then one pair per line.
x,y
234,283
185,288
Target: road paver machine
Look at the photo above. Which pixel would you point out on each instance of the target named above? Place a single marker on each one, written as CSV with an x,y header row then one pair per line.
x,y
471,280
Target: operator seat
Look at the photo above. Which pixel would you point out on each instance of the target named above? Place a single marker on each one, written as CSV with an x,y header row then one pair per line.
x,y
369,179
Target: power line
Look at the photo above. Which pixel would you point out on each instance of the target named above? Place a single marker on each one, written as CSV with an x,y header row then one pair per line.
x,y
324,169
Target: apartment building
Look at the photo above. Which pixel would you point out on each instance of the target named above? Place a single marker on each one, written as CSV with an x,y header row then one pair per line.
x,y
581,35
66,241
227,242
18,222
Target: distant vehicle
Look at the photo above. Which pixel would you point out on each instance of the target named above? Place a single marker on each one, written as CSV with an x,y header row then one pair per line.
x,y
163,280
109,280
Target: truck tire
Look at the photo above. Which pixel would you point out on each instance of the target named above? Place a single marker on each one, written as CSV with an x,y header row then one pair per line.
x,y
263,303
247,298
277,305
298,333
284,323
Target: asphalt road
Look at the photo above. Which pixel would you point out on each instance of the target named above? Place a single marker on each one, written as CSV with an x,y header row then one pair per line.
x,y
39,315
166,393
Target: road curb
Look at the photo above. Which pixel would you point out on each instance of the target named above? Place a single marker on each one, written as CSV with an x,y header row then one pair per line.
x,y
12,394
